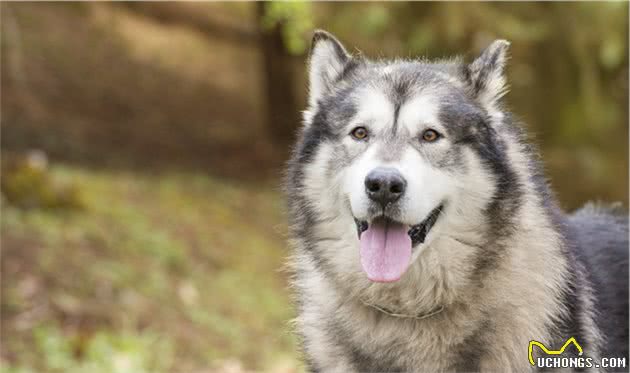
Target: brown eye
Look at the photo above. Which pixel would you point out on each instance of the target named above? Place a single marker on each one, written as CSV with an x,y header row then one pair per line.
x,y
430,135
359,133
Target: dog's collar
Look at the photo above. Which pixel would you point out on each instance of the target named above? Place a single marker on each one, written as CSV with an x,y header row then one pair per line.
x,y
420,316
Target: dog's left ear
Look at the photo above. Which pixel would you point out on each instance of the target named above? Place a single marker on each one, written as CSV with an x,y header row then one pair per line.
x,y
328,58
486,75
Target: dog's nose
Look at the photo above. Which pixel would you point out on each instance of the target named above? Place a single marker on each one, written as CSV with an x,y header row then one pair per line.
x,y
385,185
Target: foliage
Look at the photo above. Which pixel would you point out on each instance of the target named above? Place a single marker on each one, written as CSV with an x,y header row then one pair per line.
x,y
26,183
104,352
296,20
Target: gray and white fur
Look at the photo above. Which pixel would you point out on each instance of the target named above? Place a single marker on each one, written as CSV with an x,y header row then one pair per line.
x,y
502,262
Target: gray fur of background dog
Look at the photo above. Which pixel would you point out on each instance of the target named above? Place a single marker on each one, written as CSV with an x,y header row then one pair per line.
x,y
503,261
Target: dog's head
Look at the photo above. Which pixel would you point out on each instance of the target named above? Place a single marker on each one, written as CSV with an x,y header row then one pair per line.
x,y
400,152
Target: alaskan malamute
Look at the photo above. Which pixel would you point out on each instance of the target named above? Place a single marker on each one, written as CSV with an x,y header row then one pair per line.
x,y
425,236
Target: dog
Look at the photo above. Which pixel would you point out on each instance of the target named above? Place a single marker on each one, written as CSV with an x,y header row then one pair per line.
x,y
424,235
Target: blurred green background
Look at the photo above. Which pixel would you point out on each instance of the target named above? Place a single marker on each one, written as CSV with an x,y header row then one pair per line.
x,y
142,146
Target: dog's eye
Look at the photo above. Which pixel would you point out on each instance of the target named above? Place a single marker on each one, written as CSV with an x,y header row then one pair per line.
x,y
430,135
359,133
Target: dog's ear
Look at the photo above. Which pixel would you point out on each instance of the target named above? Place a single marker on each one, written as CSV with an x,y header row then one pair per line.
x,y
327,61
486,74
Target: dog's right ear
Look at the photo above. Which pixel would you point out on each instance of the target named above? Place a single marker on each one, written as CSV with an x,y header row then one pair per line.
x,y
327,61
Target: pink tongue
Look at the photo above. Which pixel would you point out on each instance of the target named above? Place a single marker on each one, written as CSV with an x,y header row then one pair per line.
x,y
385,251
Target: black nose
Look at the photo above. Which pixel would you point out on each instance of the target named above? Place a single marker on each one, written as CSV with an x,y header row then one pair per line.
x,y
385,185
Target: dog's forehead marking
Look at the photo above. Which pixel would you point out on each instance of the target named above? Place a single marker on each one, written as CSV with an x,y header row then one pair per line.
x,y
420,110
374,108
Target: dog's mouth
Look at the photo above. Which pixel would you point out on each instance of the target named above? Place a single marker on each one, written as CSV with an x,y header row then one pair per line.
x,y
386,244
418,233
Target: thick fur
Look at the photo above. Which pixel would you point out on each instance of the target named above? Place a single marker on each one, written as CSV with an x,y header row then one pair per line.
x,y
502,259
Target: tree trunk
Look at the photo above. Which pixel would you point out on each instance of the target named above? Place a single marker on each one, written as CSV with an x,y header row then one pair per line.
x,y
282,112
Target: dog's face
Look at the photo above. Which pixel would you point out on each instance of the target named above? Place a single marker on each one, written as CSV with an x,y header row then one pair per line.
x,y
400,149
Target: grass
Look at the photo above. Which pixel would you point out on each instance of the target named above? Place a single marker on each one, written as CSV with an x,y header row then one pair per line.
x,y
156,273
